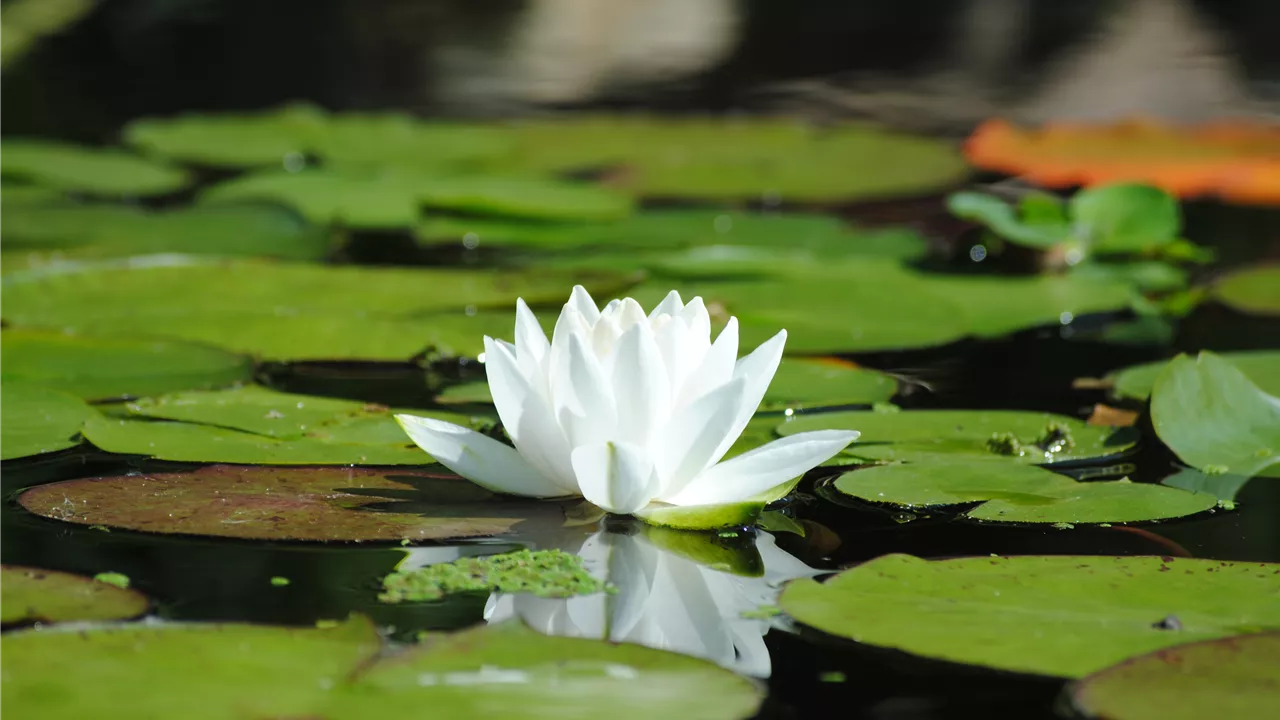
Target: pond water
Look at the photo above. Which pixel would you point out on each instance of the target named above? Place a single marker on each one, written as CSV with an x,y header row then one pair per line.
x,y
207,325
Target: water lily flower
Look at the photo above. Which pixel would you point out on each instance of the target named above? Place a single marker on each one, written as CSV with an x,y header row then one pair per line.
x,y
633,412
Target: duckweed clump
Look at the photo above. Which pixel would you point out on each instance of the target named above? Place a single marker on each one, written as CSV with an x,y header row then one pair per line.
x,y
1004,443
545,573
1056,438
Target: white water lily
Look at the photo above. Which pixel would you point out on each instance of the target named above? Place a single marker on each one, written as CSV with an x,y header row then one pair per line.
x,y
627,410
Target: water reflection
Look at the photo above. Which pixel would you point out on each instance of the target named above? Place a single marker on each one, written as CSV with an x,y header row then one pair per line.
x,y
678,591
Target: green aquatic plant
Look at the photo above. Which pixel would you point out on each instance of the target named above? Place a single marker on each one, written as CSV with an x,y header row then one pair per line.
x,y
544,573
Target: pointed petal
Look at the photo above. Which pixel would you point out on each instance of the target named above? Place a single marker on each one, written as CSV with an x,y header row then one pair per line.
x,y
640,386
527,418
757,371
586,409
765,467
531,341
631,313
677,356
696,316
581,300
687,443
507,385
716,367
670,305
615,476
478,458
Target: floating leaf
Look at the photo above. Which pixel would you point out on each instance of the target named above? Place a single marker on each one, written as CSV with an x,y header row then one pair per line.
x,y
391,199
997,306
744,159
952,435
1234,677
542,573
1261,366
315,504
1233,160
1057,615
337,673
1223,487
1253,290
287,310
1019,493
39,420
1000,218
1125,218
95,231
96,367
1214,418
32,595
88,170
29,21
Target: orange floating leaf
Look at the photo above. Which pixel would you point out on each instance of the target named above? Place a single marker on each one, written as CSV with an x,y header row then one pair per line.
x,y
1238,161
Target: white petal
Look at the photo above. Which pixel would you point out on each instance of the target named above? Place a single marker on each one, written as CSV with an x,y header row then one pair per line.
x,y
688,442
478,458
527,417
670,305
632,567
699,321
763,468
581,300
617,476
672,340
631,314
716,367
531,341
640,385
757,371
585,406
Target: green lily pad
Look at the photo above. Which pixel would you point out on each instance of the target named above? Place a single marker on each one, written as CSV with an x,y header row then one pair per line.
x,y
89,231
701,517
1223,487
1214,418
31,21
253,425
1231,677
315,504
805,382
89,170
288,310
1253,290
997,306
384,198
952,435
227,140
338,673
96,368
1125,217
1261,366
1056,615
1001,218
30,595
713,159
38,419
1019,493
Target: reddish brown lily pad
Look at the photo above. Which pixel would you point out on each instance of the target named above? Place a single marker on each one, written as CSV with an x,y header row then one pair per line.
x,y
289,503
30,595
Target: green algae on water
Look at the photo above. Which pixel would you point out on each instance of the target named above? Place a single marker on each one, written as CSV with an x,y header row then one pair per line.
x,y
279,581
545,573
120,580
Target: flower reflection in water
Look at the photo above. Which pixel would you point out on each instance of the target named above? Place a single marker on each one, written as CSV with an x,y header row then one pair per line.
x,y
666,598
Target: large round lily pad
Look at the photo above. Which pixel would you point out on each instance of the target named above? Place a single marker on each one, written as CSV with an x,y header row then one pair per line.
x,y
1214,418
1253,290
1053,615
504,670
88,170
96,367
38,419
997,306
48,596
315,504
286,310
949,435
253,425
1019,493
1261,366
98,231
1234,677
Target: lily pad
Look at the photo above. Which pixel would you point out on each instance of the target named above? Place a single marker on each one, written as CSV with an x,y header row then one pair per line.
x,y
1019,493
1260,366
315,504
287,310
255,425
89,231
1125,218
38,419
1214,418
96,367
89,170
1231,677
381,199
712,159
953,435
503,670
997,306
47,596
1253,290
1052,615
